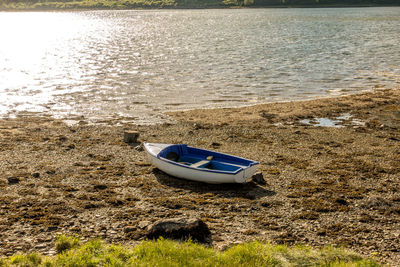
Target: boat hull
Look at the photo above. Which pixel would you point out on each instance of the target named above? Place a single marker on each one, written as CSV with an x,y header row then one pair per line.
x,y
242,175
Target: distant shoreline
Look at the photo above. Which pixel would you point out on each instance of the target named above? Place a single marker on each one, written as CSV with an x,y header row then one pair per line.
x,y
72,6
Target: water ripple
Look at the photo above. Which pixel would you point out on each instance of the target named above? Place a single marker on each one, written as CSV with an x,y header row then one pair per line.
x,y
103,64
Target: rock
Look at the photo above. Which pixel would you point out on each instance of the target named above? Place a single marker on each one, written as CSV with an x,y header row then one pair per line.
x,y
52,228
341,201
215,145
143,224
258,178
180,228
139,148
268,116
50,172
131,137
52,252
13,180
70,147
40,246
100,186
35,175
265,204
62,138
44,239
129,229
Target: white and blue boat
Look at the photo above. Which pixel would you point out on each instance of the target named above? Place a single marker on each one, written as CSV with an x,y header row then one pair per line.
x,y
200,165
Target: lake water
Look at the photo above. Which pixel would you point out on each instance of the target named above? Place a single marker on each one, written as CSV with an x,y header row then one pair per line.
x,y
137,64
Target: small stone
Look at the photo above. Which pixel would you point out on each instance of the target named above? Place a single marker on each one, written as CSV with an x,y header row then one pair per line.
x,y
75,229
342,201
268,116
139,148
70,147
40,246
52,228
50,172
215,145
8,252
100,187
129,229
35,175
62,138
259,178
131,137
197,126
265,204
143,224
52,252
44,239
13,180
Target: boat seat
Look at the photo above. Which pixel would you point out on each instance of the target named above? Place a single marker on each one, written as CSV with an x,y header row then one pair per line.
x,y
202,162
198,164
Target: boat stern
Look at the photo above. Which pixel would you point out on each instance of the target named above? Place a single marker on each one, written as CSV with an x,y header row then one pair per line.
x,y
247,174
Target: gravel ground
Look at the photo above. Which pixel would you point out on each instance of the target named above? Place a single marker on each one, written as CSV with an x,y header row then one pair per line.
x,y
325,185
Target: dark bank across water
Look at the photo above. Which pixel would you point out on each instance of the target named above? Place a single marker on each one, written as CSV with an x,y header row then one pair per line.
x,y
132,4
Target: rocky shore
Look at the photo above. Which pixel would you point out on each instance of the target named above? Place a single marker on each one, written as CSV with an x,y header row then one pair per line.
x,y
325,185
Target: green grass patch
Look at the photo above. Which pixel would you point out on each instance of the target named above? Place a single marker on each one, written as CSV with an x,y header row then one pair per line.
x,y
64,243
172,253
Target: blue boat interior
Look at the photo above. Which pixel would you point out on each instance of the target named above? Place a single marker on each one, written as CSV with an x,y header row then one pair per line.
x,y
197,158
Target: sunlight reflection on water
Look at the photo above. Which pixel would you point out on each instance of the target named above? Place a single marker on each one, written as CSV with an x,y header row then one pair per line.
x,y
103,64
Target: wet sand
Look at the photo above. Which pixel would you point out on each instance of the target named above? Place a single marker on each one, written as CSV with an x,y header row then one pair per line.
x,y
325,185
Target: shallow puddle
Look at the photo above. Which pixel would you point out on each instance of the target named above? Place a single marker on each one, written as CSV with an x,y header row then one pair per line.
x,y
322,122
336,122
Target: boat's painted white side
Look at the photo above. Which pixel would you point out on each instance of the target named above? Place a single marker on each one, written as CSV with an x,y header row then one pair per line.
x,y
195,174
154,149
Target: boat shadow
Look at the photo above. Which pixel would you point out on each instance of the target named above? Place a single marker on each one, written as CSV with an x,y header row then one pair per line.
x,y
248,190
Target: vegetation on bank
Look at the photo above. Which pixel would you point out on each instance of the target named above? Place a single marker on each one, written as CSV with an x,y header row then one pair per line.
x,y
131,4
172,253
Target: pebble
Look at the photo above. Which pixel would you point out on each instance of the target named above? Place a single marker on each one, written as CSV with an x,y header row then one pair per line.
x,y
100,186
52,252
13,180
143,224
129,229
